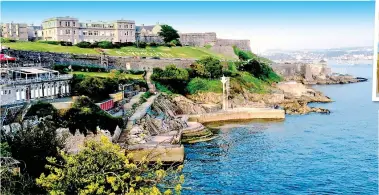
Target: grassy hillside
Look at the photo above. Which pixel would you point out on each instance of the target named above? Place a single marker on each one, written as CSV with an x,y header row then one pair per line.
x,y
163,52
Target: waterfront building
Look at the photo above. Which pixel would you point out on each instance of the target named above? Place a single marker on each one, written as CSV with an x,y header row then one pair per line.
x,y
25,84
71,30
15,31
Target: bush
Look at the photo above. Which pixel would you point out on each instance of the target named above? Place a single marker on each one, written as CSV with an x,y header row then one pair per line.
x,y
105,45
51,42
212,66
153,44
84,44
208,46
142,44
6,40
94,45
64,43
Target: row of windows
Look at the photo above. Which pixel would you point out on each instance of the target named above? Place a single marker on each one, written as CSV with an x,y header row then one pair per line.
x,y
66,23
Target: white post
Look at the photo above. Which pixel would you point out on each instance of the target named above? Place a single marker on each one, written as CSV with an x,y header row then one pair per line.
x,y
223,81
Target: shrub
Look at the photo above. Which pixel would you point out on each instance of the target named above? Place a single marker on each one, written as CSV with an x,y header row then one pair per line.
x,y
64,43
212,66
94,45
153,44
84,44
105,45
208,46
142,44
51,42
6,40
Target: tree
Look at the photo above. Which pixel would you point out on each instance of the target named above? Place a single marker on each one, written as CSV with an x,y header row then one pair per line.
x,y
85,116
198,70
212,66
31,144
168,33
102,167
42,109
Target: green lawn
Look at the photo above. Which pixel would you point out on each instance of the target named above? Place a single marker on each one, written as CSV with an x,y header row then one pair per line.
x,y
163,52
44,47
107,74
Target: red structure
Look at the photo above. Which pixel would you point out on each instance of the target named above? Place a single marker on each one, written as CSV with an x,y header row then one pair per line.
x,y
106,105
6,58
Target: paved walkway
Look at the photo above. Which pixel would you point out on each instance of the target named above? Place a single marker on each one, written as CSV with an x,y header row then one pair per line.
x,y
128,105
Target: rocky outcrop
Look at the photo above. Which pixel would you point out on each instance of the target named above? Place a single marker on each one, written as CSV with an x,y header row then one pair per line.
x,y
160,119
333,79
187,106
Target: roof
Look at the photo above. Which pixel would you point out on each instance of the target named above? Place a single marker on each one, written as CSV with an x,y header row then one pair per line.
x,y
35,70
149,28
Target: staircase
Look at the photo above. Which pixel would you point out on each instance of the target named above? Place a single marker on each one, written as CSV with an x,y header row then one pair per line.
x,y
150,85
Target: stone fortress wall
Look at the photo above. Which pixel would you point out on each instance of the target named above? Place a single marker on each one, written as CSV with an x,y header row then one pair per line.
x,y
48,59
308,71
202,39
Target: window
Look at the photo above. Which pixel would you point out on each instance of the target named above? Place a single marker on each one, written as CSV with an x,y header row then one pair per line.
x,y
89,32
68,31
127,33
9,92
96,33
74,31
5,92
73,23
60,23
84,33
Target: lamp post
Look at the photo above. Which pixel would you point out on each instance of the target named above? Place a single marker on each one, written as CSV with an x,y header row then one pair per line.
x,y
224,101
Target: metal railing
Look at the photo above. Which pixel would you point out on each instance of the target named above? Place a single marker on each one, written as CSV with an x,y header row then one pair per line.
x,y
34,80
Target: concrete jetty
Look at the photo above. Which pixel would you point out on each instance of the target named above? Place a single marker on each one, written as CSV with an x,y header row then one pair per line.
x,y
238,114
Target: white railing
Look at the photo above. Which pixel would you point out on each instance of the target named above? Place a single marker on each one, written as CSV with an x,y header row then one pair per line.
x,y
34,80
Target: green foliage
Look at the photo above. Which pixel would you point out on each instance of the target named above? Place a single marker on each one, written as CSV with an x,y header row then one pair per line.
x,y
83,44
172,77
42,109
6,40
142,44
31,144
147,94
85,116
96,88
168,33
162,88
13,182
5,150
198,70
204,85
247,81
260,70
212,66
106,45
208,46
50,42
102,167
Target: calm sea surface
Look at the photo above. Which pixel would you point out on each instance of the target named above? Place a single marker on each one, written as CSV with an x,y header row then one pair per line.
x,y
310,154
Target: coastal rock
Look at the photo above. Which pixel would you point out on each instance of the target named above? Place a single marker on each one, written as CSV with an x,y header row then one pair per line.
x,y
188,106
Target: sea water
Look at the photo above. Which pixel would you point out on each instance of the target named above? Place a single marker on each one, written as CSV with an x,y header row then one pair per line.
x,y
308,154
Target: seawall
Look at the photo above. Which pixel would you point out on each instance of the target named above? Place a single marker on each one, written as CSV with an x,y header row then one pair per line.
x,y
238,114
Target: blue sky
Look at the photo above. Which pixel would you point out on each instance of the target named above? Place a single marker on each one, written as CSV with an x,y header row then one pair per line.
x,y
269,25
